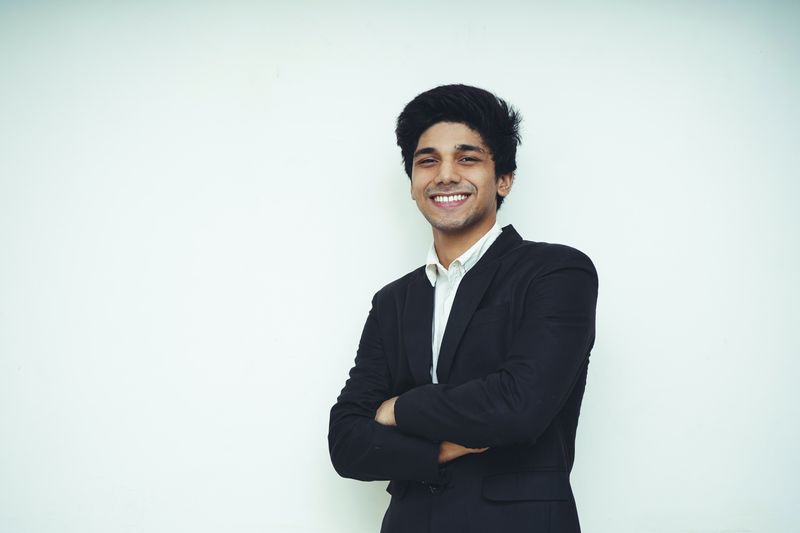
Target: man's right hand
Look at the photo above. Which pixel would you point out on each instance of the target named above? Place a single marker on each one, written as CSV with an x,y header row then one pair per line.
x,y
450,450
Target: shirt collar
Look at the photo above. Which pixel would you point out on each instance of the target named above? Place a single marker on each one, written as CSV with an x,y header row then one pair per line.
x,y
463,262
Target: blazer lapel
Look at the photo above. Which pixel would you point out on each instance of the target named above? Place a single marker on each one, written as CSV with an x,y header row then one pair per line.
x,y
418,326
469,295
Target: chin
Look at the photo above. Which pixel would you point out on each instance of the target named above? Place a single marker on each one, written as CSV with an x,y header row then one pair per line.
x,y
451,226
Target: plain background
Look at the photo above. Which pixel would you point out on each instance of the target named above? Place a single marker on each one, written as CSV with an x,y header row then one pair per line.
x,y
198,201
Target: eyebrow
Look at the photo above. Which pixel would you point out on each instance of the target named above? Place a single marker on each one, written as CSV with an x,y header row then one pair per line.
x,y
427,150
458,147
469,148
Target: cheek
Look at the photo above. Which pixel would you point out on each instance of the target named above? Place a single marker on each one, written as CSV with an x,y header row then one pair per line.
x,y
417,188
488,187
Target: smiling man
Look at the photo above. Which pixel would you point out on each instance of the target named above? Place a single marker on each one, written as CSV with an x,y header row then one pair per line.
x,y
470,371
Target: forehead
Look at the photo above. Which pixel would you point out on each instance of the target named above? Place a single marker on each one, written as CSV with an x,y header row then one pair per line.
x,y
446,135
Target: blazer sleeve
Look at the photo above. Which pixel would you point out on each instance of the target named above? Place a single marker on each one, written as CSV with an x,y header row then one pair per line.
x,y
517,402
359,447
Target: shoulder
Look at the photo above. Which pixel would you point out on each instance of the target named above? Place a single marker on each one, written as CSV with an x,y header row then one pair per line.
x,y
398,288
546,256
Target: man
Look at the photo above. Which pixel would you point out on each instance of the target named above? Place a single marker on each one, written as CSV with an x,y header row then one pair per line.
x,y
470,371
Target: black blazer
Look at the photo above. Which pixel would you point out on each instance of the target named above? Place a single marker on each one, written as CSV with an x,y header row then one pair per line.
x,y
511,371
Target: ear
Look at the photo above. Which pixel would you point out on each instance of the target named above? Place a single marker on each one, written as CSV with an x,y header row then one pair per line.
x,y
504,183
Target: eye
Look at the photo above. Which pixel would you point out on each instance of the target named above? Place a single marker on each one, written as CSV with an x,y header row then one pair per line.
x,y
469,159
426,162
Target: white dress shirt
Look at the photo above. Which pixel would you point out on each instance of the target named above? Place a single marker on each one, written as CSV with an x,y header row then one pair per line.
x,y
446,281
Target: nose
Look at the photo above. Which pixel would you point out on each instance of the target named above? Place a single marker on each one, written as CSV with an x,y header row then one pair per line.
x,y
448,173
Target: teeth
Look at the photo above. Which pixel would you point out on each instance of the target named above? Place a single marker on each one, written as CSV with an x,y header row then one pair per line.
x,y
451,198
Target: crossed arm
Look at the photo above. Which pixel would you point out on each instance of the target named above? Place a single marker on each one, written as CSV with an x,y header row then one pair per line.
x,y
405,437
447,450
360,447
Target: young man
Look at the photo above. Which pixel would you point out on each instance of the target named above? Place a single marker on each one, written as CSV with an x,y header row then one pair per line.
x,y
470,371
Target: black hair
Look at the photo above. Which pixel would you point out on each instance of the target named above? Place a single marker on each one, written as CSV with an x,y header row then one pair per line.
x,y
490,116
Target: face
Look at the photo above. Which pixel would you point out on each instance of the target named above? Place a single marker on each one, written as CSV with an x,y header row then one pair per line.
x,y
453,179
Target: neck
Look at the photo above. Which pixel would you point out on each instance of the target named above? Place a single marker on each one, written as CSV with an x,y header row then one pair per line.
x,y
449,246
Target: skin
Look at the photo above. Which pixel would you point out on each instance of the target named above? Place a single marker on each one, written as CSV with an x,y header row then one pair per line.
x,y
452,158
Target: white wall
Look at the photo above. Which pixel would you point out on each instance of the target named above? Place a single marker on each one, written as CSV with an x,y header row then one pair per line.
x,y
197,202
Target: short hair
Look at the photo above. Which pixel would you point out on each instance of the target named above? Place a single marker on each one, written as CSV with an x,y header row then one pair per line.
x,y
490,116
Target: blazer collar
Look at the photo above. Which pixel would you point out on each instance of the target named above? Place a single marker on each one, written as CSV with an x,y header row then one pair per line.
x,y
418,313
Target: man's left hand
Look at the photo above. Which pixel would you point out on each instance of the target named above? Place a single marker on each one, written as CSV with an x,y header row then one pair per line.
x,y
385,413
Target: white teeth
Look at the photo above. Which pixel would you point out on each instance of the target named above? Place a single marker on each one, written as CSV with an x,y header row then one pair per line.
x,y
451,198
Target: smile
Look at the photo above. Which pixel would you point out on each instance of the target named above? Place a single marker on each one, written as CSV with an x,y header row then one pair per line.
x,y
451,200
